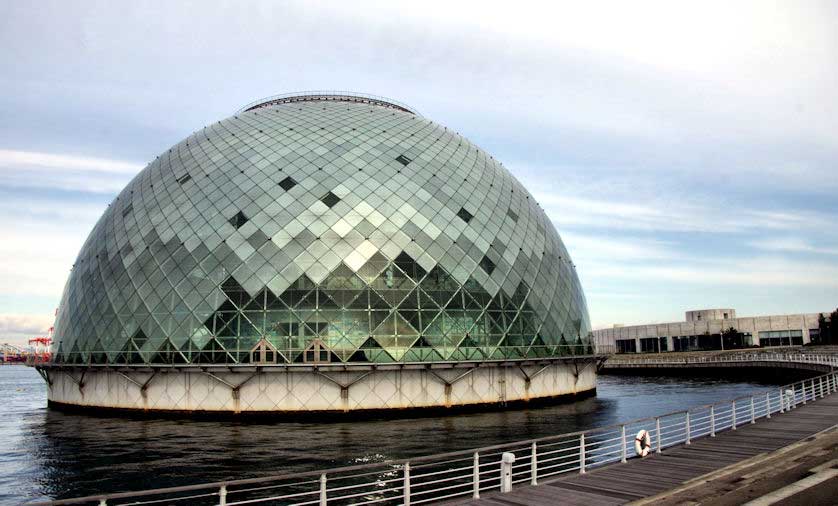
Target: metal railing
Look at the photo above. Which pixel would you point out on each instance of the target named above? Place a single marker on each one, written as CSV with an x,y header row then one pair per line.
x,y
291,357
303,96
473,472
797,358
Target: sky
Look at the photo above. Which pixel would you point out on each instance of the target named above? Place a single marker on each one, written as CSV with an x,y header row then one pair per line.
x,y
687,152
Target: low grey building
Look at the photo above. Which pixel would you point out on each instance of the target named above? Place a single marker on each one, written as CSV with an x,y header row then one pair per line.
x,y
703,329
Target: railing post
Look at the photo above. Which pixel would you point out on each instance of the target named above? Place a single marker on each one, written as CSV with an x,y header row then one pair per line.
x,y
534,465
753,415
582,453
768,404
623,440
712,420
103,502
820,385
803,384
687,427
658,432
475,477
733,415
506,461
222,496
323,498
406,500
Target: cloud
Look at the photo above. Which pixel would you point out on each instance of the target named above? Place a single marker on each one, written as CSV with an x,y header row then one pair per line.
x,y
591,247
17,329
670,214
27,169
791,245
721,273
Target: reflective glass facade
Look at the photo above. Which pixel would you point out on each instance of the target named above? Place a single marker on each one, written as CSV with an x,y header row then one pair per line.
x,y
322,230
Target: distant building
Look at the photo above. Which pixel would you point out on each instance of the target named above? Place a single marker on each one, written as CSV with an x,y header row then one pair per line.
x,y
703,330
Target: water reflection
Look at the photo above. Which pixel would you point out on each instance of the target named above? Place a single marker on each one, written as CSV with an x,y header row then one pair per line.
x,y
50,454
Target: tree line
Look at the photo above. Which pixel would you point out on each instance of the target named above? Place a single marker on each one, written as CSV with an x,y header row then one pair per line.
x,y
828,327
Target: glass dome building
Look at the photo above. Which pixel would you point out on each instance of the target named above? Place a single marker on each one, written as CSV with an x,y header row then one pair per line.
x,y
315,234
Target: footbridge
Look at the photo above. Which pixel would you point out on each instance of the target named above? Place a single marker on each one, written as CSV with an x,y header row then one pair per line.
x,y
819,363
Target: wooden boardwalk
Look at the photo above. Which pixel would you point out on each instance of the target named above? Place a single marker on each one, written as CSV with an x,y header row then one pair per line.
x,y
620,483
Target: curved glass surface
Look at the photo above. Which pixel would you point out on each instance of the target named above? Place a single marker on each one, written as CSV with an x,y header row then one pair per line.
x,y
321,231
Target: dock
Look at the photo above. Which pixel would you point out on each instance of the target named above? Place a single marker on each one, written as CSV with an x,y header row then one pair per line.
x,y
637,479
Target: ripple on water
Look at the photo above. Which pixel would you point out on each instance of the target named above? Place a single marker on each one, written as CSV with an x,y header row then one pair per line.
x,y
48,454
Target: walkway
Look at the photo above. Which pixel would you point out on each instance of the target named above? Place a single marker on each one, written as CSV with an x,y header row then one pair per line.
x,y
641,478
794,360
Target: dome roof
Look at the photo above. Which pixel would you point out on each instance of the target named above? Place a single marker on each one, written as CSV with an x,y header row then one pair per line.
x,y
340,221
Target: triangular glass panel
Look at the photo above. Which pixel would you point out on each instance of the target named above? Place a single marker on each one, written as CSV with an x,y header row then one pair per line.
x,y
373,267
426,301
342,278
234,292
456,301
403,328
409,266
361,301
309,301
376,302
324,301
257,303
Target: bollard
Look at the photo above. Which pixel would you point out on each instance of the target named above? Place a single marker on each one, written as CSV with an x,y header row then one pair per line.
x,y
658,432
581,453
406,500
323,498
222,495
768,404
475,477
623,440
712,420
506,461
103,502
688,428
534,465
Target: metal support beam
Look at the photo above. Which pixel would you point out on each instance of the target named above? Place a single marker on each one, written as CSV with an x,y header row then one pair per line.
x,y
234,389
344,387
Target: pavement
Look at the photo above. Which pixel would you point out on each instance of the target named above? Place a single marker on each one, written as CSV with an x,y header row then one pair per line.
x,y
805,473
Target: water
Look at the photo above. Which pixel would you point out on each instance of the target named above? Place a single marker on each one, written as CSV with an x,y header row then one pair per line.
x,y
46,454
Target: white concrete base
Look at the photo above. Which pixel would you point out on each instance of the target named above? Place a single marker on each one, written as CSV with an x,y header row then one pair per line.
x,y
307,390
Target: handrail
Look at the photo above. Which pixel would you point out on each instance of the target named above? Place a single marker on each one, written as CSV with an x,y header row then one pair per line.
x,y
529,353
802,358
302,96
570,452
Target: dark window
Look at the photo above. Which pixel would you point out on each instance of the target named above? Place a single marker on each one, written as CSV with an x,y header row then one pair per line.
x,y
238,220
330,199
626,346
287,183
464,215
183,179
512,215
487,264
403,159
127,210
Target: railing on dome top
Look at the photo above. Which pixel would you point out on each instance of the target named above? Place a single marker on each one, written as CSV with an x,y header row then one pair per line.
x,y
329,95
472,472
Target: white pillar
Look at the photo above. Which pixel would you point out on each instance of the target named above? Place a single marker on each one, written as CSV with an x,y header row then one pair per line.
x,y
506,461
